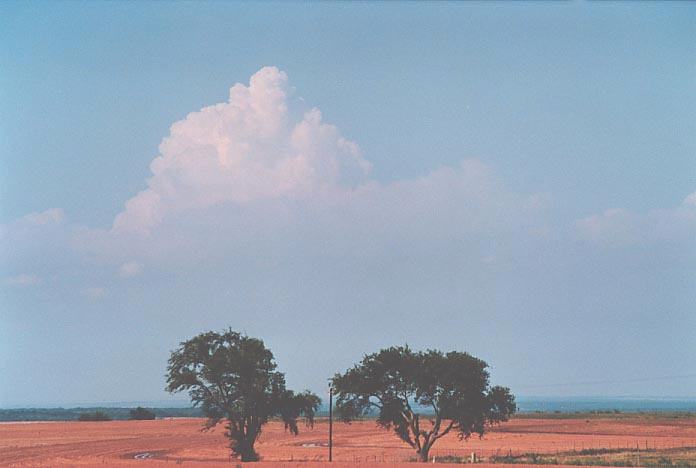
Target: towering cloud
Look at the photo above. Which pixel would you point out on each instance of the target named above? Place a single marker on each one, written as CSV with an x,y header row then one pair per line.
x,y
242,150
254,178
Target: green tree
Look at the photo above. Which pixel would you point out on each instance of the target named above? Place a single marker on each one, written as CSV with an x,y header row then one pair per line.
x,y
233,378
423,396
141,413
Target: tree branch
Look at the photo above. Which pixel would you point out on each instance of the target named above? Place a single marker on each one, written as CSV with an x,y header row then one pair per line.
x,y
449,428
413,421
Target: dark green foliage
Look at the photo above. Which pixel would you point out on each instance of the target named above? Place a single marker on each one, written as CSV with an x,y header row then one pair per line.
x,y
593,457
70,414
452,459
141,413
233,378
599,451
96,416
397,382
527,458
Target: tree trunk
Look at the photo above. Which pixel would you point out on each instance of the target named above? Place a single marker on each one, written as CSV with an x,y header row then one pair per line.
x,y
423,454
245,449
250,456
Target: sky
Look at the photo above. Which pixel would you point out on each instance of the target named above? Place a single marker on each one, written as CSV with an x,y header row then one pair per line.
x,y
512,179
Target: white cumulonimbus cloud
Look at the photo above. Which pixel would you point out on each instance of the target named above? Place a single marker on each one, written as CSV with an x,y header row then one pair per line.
x,y
246,178
242,150
243,170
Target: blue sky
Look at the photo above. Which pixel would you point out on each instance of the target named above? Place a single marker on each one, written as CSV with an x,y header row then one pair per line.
x,y
511,179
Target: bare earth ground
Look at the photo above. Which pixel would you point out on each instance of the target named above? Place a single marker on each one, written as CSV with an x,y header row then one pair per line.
x,y
172,441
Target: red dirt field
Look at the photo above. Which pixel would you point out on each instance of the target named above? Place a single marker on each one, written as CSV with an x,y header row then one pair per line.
x,y
172,441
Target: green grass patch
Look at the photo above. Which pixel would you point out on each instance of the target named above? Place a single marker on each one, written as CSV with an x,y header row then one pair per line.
x,y
681,458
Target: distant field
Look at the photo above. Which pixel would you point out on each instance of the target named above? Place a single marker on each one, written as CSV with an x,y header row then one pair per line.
x,y
621,441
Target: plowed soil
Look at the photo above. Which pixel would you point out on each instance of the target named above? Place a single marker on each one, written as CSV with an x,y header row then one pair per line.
x,y
171,441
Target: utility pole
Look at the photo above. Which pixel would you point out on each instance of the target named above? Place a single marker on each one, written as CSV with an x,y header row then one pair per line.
x,y
330,423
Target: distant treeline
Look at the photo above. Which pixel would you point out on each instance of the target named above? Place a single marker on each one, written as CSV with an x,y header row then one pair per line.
x,y
599,414
73,414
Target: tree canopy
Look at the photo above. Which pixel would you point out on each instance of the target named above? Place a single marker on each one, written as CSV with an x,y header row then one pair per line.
x,y
141,413
233,377
423,396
